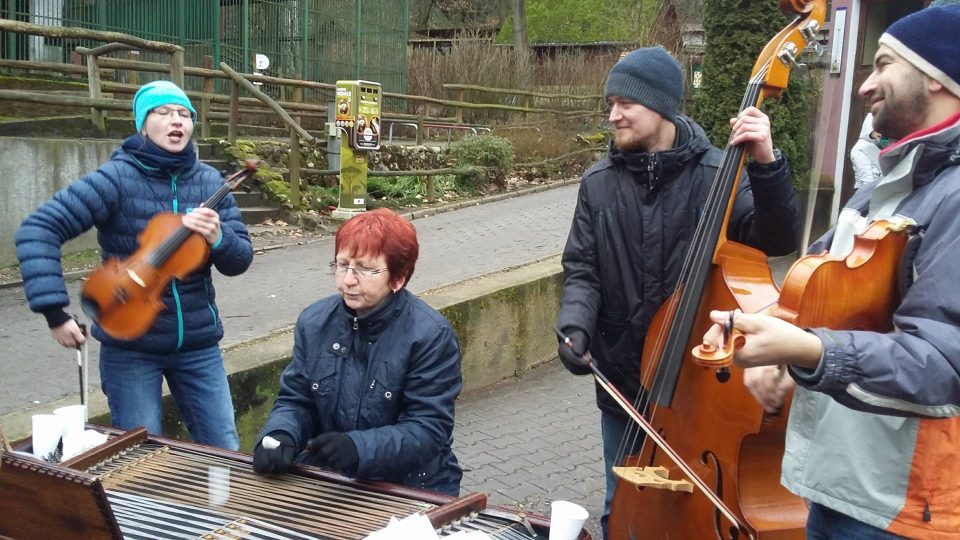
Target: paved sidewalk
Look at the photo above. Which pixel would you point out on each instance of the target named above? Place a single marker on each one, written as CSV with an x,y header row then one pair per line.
x,y
454,246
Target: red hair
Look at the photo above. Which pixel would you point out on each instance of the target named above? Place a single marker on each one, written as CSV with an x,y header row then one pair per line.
x,y
381,232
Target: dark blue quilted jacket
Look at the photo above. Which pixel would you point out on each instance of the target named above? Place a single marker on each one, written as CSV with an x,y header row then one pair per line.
x,y
119,199
389,380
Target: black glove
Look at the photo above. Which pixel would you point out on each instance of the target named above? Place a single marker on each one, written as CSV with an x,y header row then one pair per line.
x,y
274,460
336,451
572,355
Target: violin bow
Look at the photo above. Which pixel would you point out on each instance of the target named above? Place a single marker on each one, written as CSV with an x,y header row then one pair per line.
x,y
657,438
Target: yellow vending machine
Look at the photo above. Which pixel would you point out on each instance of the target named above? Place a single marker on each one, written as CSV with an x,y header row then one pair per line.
x,y
358,118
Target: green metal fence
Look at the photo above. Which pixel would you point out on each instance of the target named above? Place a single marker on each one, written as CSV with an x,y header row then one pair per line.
x,y
309,39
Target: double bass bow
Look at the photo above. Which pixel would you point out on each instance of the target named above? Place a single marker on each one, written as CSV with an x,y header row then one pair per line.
x,y
124,297
716,437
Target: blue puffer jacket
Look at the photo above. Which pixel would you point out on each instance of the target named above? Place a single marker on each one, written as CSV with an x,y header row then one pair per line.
x,y
119,199
388,380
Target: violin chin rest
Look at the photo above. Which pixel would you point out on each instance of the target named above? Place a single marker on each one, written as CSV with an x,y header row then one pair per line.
x,y
90,307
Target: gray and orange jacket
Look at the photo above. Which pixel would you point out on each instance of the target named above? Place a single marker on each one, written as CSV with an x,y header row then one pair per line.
x,y
874,431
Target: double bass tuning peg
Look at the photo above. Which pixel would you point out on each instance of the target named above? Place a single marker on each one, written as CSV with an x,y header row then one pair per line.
x,y
809,31
788,55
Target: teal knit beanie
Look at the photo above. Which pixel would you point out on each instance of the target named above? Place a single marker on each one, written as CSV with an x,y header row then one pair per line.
x,y
155,94
650,77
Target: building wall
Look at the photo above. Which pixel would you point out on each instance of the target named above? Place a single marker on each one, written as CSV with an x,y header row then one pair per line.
x,y
33,170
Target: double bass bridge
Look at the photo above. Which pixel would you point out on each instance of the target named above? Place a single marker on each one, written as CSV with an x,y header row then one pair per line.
x,y
656,477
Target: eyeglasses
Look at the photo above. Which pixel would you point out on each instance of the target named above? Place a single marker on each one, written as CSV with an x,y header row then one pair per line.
x,y
358,271
166,112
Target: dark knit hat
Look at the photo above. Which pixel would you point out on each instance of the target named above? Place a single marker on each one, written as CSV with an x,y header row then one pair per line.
x,y
927,39
650,77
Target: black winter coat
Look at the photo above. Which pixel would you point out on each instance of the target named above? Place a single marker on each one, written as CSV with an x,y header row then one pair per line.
x,y
635,216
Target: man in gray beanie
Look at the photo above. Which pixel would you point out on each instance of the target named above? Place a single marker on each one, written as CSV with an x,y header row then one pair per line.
x,y
635,215
875,416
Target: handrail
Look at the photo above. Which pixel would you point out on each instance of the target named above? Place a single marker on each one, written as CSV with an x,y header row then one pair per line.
x,y
267,100
455,86
19,27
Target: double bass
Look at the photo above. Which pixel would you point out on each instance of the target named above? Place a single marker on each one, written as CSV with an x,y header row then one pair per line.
x,y
124,296
705,430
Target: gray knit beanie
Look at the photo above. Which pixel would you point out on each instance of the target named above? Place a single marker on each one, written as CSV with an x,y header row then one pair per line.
x,y
650,77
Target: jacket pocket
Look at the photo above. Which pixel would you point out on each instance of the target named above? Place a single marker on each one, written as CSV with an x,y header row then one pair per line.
x,y
380,403
320,372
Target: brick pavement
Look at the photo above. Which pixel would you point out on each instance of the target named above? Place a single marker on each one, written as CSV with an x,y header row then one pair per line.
x,y
529,441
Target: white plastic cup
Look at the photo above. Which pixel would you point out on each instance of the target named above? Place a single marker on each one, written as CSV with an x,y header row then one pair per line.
x,y
74,419
566,520
218,485
47,430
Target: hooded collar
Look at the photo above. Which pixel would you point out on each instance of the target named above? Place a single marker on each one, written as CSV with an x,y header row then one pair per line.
x,y
652,169
913,162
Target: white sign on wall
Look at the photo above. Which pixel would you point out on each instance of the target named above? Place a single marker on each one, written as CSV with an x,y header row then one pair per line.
x,y
262,61
836,51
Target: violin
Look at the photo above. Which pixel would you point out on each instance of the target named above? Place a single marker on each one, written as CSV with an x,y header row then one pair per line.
x,y
858,291
124,297
721,475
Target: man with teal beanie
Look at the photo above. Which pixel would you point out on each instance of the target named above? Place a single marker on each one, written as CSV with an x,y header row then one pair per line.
x,y
155,170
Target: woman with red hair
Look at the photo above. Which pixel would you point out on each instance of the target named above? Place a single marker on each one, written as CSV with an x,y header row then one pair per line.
x,y
375,372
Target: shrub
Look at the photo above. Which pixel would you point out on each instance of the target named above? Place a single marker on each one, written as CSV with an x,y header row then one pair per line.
x,y
492,152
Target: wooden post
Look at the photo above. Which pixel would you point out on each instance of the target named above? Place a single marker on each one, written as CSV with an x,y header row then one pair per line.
x,y
234,112
93,80
132,74
294,167
208,81
208,90
205,116
176,67
431,188
420,130
459,110
297,97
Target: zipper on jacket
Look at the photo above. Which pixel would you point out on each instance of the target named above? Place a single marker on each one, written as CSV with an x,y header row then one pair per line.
x,y
173,283
356,323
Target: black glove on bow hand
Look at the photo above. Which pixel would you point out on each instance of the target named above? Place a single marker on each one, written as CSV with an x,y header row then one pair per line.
x,y
336,451
274,460
572,355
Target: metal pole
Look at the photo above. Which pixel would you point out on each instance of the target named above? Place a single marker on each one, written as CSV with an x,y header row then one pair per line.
x,y
245,35
358,42
182,22
11,37
304,39
216,37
